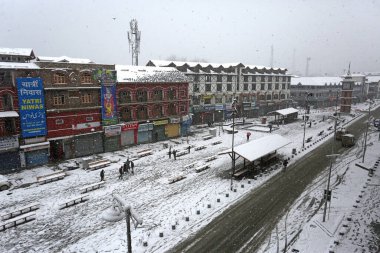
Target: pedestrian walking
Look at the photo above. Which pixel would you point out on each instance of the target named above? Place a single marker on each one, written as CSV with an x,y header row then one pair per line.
x,y
102,175
127,166
285,164
270,128
132,166
248,135
121,172
188,149
175,154
170,154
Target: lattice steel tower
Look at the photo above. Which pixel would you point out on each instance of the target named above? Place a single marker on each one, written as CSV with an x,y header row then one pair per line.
x,y
134,36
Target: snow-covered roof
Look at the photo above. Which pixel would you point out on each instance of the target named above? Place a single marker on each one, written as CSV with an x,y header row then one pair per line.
x,y
17,51
372,79
8,114
264,68
127,73
63,59
316,81
256,149
287,111
18,65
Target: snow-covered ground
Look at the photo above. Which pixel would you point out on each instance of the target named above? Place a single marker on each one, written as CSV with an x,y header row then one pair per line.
x,y
162,206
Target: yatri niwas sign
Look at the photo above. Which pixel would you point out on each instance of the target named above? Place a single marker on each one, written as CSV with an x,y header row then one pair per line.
x,y
32,107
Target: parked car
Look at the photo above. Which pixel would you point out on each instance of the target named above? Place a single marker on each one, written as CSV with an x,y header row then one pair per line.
x,y
4,183
376,123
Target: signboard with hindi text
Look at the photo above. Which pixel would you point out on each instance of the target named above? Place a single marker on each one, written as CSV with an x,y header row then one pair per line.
x,y
31,106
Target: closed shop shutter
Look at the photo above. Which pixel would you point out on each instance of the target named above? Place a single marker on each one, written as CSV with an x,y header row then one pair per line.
x,y
128,137
88,144
10,161
172,130
159,133
111,143
144,137
36,157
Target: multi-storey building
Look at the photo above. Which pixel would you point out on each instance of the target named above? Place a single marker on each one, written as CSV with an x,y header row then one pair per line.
x,y
213,87
73,108
16,55
373,86
152,103
325,91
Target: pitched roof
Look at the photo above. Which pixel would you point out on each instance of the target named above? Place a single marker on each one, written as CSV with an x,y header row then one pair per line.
x,y
127,73
317,81
18,65
17,51
63,59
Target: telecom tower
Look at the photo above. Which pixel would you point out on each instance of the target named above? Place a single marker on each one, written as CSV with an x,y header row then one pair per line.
x,y
134,36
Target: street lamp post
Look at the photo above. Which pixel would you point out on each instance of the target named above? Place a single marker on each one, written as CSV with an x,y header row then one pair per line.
x,y
304,117
233,136
327,193
366,131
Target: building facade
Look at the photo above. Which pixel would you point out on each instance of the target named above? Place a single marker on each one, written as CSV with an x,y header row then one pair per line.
x,y
213,87
153,103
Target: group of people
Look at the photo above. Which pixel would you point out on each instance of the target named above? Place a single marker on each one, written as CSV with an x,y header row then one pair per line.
x,y
174,152
126,167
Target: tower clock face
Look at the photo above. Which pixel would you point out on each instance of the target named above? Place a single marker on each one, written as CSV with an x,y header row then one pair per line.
x,y
346,86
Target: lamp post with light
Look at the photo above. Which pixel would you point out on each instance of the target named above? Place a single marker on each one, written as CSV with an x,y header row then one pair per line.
x,y
304,117
234,111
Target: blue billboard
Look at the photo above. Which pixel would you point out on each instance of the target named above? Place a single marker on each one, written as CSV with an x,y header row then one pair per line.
x,y
31,106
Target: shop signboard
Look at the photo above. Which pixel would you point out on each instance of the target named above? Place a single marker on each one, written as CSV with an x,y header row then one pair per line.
x,y
32,107
247,106
219,107
112,130
145,127
9,142
175,120
209,107
129,126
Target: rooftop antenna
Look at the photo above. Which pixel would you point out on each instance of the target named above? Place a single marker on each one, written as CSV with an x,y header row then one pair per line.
x,y
349,69
307,66
134,36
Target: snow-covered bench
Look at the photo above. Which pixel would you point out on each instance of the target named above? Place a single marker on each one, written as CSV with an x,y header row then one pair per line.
x,y
144,152
18,220
321,133
19,211
98,164
190,165
207,137
73,201
91,187
210,158
309,139
202,168
176,179
51,177
199,148
240,172
181,153
216,142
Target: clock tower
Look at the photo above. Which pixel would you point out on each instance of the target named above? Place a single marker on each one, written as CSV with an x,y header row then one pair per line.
x,y
347,89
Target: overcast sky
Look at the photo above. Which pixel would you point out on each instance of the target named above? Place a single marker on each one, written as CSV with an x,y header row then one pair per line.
x,y
331,32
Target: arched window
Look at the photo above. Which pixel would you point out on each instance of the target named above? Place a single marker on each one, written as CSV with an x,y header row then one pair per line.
x,y
125,97
59,78
172,109
157,95
275,96
172,93
86,78
282,96
7,102
142,96
126,114
157,111
269,97
142,113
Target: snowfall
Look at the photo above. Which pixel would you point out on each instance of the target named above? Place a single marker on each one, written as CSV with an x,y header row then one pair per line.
x,y
171,212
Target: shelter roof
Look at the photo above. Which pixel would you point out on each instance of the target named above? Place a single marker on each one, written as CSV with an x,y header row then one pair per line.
x,y
285,111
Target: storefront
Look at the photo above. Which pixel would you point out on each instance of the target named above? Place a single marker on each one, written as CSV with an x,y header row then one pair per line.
x,y
145,133
112,138
129,133
83,145
185,125
159,130
173,128
32,155
9,154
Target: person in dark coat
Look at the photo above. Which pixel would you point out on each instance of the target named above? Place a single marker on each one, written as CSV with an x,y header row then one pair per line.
x,y
248,135
102,175
132,166
188,149
285,163
175,154
121,172
170,154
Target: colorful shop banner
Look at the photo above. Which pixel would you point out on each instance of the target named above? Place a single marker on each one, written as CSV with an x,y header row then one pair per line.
x,y
32,107
109,114
106,76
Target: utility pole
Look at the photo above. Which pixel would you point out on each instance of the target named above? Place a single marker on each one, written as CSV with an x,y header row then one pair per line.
x,y
304,117
327,193
366,131
233,136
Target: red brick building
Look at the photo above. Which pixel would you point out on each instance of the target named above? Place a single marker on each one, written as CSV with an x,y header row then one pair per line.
x,y
153,102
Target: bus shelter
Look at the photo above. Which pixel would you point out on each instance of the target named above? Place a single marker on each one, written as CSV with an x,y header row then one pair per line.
x,y
284,115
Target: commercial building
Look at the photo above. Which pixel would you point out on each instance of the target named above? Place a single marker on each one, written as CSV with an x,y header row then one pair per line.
x,y
213,87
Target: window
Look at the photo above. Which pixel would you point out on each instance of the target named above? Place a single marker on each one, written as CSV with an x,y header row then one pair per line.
x,y
142,112
219,87
245,78
157,111
275,96
89,118
59,78
141,96
9,126
196,100
182,94
219,100
86,98
86,78
208,78
207,101
258,78
125,97
5,78
253,86
262,86
283,86
125,114
172,93
182,108
269,86
246,86
59,121
59,99
229,78
208,87
195,87
196,78
7,102
276,86
157,95
269,97
229,87
171,109
219,78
